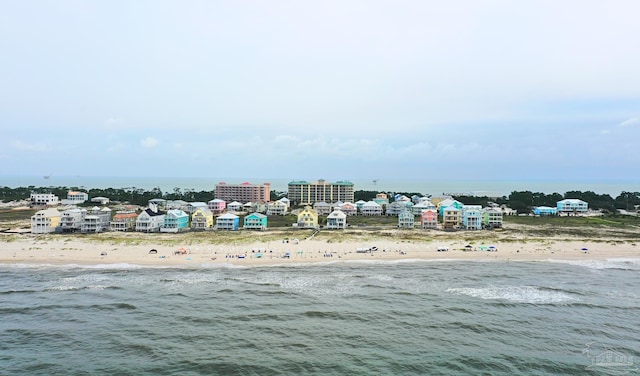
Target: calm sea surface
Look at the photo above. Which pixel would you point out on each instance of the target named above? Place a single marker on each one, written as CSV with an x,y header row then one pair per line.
x,y
434,187
396,318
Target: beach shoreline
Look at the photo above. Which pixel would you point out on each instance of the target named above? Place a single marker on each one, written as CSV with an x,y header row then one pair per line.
x,y
76,250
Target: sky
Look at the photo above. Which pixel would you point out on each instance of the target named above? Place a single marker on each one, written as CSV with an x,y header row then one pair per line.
x,y
477,89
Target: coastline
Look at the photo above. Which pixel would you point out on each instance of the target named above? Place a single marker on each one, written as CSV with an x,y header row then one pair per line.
x,y
71,250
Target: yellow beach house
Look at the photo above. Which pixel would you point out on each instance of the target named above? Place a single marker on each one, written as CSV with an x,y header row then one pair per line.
x,y
308,218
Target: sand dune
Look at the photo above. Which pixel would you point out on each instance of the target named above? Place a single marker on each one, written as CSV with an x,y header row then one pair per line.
x,y
72,249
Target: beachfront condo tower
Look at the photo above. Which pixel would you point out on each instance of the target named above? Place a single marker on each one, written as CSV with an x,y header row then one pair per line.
x,y
245,192
305,193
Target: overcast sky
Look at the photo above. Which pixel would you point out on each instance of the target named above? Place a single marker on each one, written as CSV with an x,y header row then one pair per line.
x,y
327,89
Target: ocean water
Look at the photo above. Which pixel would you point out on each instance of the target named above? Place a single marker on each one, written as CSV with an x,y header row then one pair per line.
x,y
376,318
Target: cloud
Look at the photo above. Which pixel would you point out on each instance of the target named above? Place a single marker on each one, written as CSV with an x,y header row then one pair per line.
x,y
38,147
628,122
149,142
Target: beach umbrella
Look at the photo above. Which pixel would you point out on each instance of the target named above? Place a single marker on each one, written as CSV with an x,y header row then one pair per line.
x,y
493,248
584,249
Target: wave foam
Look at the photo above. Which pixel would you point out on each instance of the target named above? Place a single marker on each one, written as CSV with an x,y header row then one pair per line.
x,y
613,263
516,294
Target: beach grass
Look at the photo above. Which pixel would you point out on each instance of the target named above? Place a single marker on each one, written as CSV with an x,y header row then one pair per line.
x,y
361,229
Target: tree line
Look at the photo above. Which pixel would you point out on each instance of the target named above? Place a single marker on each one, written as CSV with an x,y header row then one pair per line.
x,y
522,201
525,201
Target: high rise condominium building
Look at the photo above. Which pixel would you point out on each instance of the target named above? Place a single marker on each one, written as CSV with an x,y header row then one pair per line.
x,y
305,193
245,192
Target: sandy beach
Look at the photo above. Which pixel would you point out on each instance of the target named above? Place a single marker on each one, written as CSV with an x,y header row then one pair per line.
x,y
181,250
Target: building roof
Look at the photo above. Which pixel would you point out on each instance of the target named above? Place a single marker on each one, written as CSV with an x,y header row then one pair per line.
x,y
50,212
125,215
337,214
177,213
372,204
152,213
572,201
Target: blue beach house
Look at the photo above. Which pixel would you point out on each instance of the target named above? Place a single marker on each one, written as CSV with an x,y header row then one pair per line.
x,y
472,217
255,221
228,221
449,203
572,205
545,210
175,221
406,219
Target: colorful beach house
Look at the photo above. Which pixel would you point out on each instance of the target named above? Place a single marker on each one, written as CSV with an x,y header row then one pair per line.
x,y
217,206
349,209
572,206
421,206
452,218
45,221
449,202
255,221
545,210
336,220
472,217
307,218
406,219
381,199
371,208
492,218
124,221
150,220
75,198
429,219
228,221
175,220
202,219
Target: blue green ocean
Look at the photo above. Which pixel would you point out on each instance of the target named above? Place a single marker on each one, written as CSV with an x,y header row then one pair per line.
x,y
360,318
